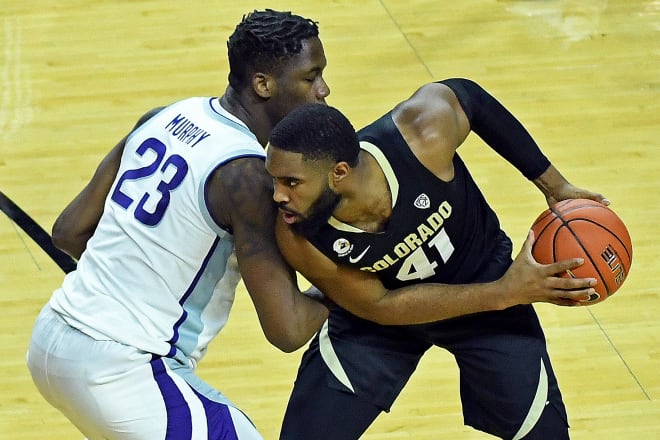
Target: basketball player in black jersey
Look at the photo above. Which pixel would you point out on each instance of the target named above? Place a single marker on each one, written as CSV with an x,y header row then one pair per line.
x,y
390,225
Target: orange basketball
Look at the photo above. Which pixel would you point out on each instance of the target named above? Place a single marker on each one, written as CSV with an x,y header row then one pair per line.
x,y
581,228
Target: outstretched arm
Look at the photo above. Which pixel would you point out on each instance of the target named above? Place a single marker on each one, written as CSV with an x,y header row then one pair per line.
x,y
239,197
76,224
362,293
498,128
489,119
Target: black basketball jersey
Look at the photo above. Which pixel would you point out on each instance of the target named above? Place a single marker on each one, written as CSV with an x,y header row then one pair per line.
x,y
438,232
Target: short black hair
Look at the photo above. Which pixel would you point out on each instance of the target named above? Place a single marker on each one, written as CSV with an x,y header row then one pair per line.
x,y
319,132
263,40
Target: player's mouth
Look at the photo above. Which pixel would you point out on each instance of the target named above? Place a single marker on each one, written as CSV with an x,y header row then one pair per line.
x,y
289,216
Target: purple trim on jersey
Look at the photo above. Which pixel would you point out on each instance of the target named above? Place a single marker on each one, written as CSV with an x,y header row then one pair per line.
x,y
224,162
179,418
238,126
184,315
219,423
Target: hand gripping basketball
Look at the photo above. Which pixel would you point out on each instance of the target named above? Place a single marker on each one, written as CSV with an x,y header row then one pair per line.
x,y
581,228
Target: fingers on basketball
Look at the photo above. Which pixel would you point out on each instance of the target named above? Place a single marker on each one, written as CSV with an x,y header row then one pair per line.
x,y
586,229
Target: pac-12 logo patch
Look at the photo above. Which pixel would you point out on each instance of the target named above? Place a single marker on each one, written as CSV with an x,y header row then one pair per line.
x,y
422,201
342,247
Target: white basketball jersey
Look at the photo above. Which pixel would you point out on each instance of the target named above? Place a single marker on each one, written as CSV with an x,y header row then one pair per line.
x,y
158,273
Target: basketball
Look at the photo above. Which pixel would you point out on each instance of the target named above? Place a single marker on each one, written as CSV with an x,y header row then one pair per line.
x,y
581,228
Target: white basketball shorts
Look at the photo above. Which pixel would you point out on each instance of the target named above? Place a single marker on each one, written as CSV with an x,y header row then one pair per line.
x,y
113,391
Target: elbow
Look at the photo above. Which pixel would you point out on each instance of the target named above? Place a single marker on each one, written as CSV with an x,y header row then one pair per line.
x,y
288,348
286,344
287,338
292,336
289,332
59,236
64,241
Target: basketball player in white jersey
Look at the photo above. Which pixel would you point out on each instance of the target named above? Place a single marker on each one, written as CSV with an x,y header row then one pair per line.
x,y
175,214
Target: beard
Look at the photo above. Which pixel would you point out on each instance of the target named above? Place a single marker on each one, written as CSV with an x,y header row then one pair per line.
x,y
318,215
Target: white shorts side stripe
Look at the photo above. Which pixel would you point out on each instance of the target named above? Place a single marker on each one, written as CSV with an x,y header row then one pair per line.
x,y
331,359
244,428
538,404
197,411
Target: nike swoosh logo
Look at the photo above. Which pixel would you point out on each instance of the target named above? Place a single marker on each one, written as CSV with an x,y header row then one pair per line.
x,y
359,257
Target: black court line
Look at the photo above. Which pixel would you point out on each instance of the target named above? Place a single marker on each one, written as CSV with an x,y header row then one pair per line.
x,y
620,356
36,233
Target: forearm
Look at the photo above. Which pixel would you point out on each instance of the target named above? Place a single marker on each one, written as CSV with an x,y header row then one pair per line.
x,y
67,234
310,315
498,128
422,303
77,223
289,320
550,182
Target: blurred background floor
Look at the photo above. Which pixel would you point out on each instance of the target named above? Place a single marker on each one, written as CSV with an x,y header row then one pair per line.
x,y
583,76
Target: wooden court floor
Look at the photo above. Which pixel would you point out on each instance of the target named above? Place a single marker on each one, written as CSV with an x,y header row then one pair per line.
x,y
582,75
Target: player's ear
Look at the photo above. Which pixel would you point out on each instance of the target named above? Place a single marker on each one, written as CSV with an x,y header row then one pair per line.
x,y
339,172
263,84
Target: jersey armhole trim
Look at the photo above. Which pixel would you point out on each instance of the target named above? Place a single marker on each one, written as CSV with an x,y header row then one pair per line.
x,y
221,230
392,181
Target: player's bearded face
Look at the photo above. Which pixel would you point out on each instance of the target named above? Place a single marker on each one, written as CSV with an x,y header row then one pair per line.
x,y
318,213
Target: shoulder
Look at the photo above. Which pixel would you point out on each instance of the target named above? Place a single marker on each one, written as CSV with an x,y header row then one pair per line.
x,y
148,115
429,101
193,104
238,191
430,116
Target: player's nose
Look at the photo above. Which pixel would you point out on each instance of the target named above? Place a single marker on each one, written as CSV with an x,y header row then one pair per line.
x,y
323,90
280,195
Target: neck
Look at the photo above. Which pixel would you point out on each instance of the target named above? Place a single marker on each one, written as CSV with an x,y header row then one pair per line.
x,y
249,111
367,204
